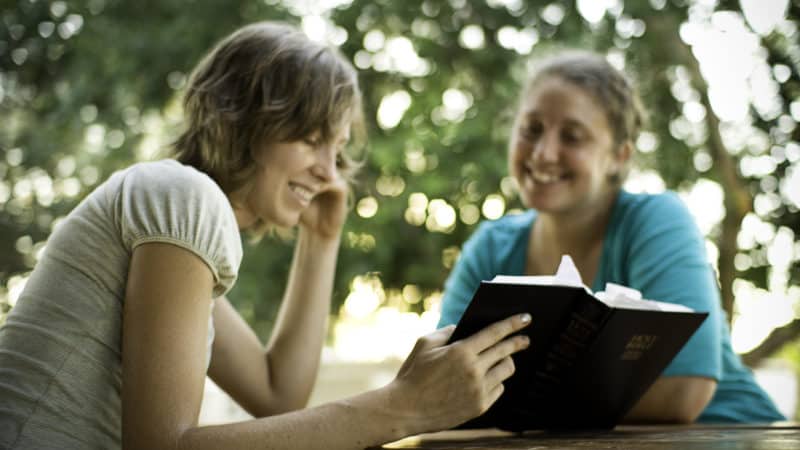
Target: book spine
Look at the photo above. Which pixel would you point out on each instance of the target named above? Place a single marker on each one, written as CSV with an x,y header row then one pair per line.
x,y
569,345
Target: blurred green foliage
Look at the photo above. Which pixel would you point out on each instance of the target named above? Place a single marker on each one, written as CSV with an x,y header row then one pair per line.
x,y
88,87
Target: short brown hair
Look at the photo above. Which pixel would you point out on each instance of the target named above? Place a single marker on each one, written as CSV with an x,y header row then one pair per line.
x,y
614,92
266,82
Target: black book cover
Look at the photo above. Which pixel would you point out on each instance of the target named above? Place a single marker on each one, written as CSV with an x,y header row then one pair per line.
x,y
588,363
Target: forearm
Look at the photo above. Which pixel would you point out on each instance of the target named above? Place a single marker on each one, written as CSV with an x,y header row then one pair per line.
x,y
439,386
294,349
358,422
673,400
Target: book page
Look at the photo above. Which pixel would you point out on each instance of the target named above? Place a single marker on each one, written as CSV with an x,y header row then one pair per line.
x,y
566,275
567,272
615,295
620,296
543,280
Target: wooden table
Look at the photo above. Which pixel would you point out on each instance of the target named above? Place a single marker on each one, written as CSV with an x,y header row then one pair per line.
x,y
780,436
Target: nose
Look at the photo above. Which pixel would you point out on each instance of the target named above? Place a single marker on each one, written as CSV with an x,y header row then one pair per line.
x,y
325,165
546,148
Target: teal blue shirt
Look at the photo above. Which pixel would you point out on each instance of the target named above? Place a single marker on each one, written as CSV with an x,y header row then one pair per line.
x,y
652,244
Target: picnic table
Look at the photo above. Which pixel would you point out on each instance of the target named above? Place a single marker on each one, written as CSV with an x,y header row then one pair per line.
x,y
778,436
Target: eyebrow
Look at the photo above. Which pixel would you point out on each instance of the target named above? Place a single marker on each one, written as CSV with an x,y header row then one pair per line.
x,y
534,114
577,123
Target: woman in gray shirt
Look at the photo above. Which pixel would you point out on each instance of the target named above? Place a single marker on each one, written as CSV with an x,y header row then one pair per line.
x,y
125,313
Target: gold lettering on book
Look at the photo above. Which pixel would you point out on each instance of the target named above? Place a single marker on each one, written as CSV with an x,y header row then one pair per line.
x,y
580,329
637,345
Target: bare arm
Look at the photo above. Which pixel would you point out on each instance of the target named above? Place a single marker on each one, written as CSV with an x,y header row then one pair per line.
x,y
164,326
438,387
279,378
165,323
295,346
673,400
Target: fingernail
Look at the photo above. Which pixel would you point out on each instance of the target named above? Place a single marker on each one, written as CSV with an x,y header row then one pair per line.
x,y
525,318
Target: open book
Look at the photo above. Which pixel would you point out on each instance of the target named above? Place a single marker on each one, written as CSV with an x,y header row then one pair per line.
x,y
592,356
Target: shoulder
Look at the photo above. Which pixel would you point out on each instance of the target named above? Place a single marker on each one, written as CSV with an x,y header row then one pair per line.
x,y
165,201
170,175
649,233
169,187
500,244
651,227
651,206
649,214
510,226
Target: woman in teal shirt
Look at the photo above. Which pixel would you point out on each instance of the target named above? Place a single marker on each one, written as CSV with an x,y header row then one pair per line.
x,y
570,147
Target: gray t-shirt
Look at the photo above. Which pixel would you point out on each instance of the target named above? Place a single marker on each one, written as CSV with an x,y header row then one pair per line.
x,y
60,348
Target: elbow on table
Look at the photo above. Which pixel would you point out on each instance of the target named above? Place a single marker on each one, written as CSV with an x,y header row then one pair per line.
x,y
684,413
690,401
675,411
675,400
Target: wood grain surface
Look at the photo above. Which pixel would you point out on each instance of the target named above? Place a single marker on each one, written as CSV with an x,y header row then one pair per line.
x,y
781,436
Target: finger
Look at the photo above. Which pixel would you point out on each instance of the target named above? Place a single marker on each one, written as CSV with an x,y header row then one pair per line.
x,y
503,349
499,373
338,185
492,334
332,193
493,395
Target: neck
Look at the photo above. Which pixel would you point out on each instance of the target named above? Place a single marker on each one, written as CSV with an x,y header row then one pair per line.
x,y
244,217
579,234
572,233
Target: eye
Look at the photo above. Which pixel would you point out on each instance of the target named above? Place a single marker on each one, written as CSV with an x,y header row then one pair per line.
x,y
530,130
569,138
572,136
341,161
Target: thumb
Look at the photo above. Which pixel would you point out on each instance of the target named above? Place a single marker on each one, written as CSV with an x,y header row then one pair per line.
x,y
436,339
428,342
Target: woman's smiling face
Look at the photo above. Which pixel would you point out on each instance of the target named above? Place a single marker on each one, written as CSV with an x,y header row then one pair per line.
x,y
562,151
290,175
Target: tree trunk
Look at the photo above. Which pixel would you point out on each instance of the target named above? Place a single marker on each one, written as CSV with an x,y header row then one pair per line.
x,y
738,202
737,198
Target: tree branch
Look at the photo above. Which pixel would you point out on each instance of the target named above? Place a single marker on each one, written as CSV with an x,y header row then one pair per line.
x,y
774,342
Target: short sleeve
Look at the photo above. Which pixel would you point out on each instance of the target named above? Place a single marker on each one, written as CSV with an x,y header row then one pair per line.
x,y
168,202
466,276
667,261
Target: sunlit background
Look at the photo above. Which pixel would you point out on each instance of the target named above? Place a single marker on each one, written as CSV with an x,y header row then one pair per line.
x,y
383,307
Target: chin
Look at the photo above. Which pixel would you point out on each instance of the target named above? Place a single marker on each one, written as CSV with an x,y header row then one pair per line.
x,y
544,204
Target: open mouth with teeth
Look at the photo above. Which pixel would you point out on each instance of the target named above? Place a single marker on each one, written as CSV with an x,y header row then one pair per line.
x,y
546,177
303,193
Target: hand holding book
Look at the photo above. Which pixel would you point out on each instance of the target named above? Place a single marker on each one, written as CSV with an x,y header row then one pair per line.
x,y
592,355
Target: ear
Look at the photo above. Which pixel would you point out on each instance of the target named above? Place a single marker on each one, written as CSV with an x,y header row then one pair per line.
x,y
622,155
258,153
